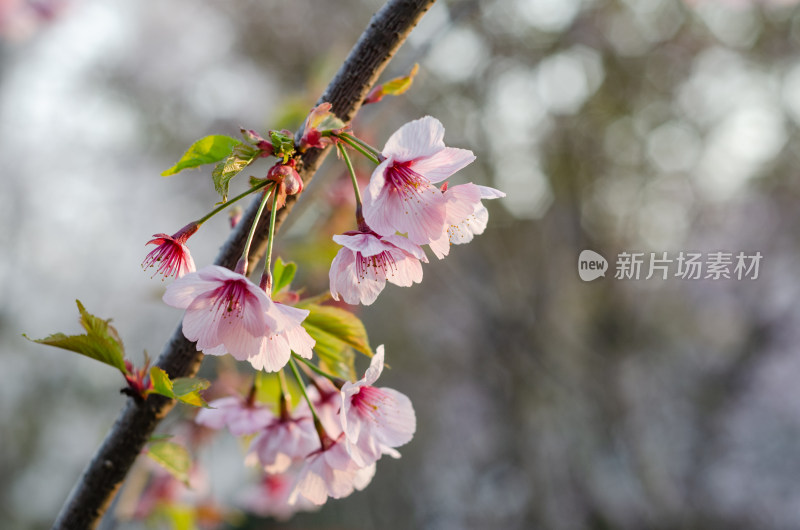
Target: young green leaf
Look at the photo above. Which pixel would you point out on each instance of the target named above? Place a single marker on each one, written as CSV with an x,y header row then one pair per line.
x,y
101,341
282,274
172,457
204,151
241,157
161,383
337,333
185,389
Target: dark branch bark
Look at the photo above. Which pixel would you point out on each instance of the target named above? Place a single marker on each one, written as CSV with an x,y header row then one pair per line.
x,y
105,473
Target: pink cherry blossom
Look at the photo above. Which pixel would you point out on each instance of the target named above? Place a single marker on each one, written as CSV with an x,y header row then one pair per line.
x,y
225,312
330,472
275,349
237,414
375,420
171,254
285,440
466,215
401,196
360,270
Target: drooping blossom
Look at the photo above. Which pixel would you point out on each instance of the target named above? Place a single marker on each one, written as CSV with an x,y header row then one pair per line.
x,y
330,472
466,215
275,349
171,254
401,196
360,270
225,312
241,416
285,439
375,420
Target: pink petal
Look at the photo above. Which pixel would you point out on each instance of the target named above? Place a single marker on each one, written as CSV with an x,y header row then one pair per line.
x,y
345,282
440,165
300,341
407,246
375,366
182,291
462,200
407,270
397,423
422,137
272,354
366,244
490,193
418,211
441,246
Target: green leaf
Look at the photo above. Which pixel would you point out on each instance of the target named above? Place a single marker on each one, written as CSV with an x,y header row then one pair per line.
x,y
172,457
161,383
101,341
188,390
241,157
337,333
282,144
185,389
204,151
282,274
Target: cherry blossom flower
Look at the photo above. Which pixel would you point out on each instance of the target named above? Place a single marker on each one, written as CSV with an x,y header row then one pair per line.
x,y
375,420
401,196
171,254
239,415
275,349
284,440
330,472
225,312
360,270
466,215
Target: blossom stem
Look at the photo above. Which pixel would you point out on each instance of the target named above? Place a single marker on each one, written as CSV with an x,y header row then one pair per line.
x,y
332,378
352,171
266,279
362,147
285,397
224,205
303,390
241,267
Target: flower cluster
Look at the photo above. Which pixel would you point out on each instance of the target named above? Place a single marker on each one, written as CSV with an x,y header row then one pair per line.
x,y
324,448
402,198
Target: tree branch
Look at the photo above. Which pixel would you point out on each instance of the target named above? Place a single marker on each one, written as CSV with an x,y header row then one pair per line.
x,y
105,473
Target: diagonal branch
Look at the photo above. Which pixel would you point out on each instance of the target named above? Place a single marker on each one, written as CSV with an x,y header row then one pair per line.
x,y
105,473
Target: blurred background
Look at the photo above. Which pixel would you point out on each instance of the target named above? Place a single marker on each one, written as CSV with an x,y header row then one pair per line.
x,y
543,401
